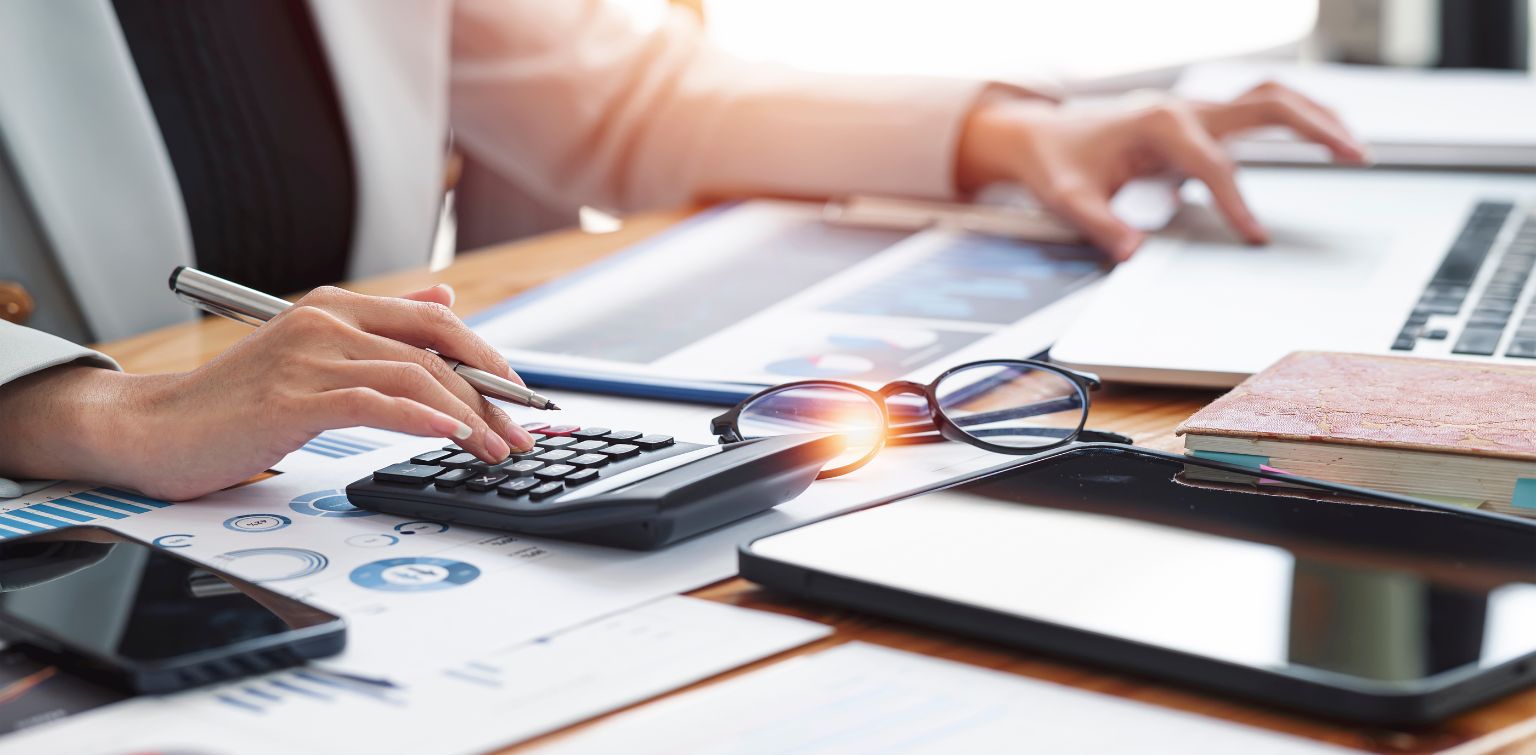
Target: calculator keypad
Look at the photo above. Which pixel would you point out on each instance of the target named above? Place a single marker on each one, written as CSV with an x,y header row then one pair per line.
x,y
449,479
564,456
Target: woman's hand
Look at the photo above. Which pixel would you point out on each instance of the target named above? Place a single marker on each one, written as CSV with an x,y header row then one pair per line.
x,y
1075,162
335,359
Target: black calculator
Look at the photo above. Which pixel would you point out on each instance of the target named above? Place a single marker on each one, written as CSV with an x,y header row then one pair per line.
x,y
623,488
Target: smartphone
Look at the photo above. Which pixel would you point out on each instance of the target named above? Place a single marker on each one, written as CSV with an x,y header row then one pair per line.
x,y
146,620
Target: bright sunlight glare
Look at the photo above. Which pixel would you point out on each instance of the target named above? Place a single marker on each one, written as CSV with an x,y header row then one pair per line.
x,y
1060,39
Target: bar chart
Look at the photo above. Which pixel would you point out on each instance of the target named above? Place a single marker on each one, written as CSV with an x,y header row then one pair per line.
x,y
93,506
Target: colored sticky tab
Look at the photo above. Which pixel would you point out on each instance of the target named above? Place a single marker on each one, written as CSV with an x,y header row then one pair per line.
x,y
1525,493
1251,461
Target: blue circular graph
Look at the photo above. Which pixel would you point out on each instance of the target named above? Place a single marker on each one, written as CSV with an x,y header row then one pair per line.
x,y
372,540
327,503
275,564
257,522
414,574
420,528
177,540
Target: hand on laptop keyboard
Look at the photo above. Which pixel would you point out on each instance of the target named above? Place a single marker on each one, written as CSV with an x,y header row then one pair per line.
x,y
1075,162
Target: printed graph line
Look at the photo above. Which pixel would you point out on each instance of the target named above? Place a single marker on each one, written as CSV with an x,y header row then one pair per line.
x,y
478,672
305,686
334,445
90,507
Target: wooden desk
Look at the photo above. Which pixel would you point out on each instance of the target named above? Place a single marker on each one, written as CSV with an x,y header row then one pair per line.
x,y
486,277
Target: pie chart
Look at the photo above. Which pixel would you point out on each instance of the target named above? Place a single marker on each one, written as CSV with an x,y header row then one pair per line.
x,y
823,366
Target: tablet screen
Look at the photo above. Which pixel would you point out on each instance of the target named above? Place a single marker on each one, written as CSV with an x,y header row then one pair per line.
x,y
1129,546
766,292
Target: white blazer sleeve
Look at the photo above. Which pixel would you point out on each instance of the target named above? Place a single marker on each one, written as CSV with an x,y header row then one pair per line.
x,y
24,351
575,104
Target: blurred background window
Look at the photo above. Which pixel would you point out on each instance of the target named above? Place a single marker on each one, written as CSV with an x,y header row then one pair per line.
x,y
1111,43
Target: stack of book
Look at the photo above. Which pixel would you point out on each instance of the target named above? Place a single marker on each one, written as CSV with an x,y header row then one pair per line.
x,y
1453,431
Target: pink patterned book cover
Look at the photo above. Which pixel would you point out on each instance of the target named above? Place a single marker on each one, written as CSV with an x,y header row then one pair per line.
x,y
1435,405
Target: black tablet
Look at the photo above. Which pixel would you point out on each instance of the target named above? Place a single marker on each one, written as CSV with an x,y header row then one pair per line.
x,y
1318,597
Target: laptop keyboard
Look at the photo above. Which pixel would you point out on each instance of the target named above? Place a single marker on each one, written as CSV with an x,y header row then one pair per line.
x,y
1494,310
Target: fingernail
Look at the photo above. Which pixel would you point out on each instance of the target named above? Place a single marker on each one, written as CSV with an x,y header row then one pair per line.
x,y
524,439
516,435
496,446
453,296
449,427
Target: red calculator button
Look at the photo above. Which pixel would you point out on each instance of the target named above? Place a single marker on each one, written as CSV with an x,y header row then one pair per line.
x,y
560,429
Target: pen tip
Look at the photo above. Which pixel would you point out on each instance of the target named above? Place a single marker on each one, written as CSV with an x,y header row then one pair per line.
x,y
550,406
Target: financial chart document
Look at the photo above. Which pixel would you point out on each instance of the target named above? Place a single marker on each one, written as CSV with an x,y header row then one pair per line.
x,y
765,292
439,615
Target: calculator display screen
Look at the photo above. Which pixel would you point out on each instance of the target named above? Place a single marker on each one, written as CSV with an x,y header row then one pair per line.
x,y
1133,547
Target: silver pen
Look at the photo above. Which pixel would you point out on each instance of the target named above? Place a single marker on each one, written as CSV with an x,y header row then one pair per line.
x,y
215,295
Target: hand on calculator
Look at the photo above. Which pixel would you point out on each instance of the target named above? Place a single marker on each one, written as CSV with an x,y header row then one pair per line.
x,y
628,488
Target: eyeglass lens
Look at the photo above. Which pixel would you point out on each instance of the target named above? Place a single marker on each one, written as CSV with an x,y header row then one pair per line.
x,y
1012,404
817,409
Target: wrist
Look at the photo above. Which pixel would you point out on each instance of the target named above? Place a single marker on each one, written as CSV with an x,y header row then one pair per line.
x,y
75,422
992,136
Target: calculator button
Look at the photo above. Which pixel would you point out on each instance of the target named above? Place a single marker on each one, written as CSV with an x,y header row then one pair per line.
x,y
1522,347
559,441
560,429
521,468
546,490
585,447
517,487
557,455
554,471
620,450
652,442
623,435
485,481
580,476
537,436
408,474
589,460
534,427
431,457
591,432
524,455
460,460
455,477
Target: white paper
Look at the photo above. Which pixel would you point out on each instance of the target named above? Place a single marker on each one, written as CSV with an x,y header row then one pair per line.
x,y
502,696
338,444
860,698
1410,117
481,589
484,591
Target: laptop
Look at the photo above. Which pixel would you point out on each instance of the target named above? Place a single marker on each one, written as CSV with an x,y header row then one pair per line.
x,y
1379,262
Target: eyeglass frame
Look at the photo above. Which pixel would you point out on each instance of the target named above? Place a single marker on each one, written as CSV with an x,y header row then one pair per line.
x,y
725,426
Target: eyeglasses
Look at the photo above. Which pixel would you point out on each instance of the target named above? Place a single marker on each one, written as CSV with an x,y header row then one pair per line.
x,y
1011,406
